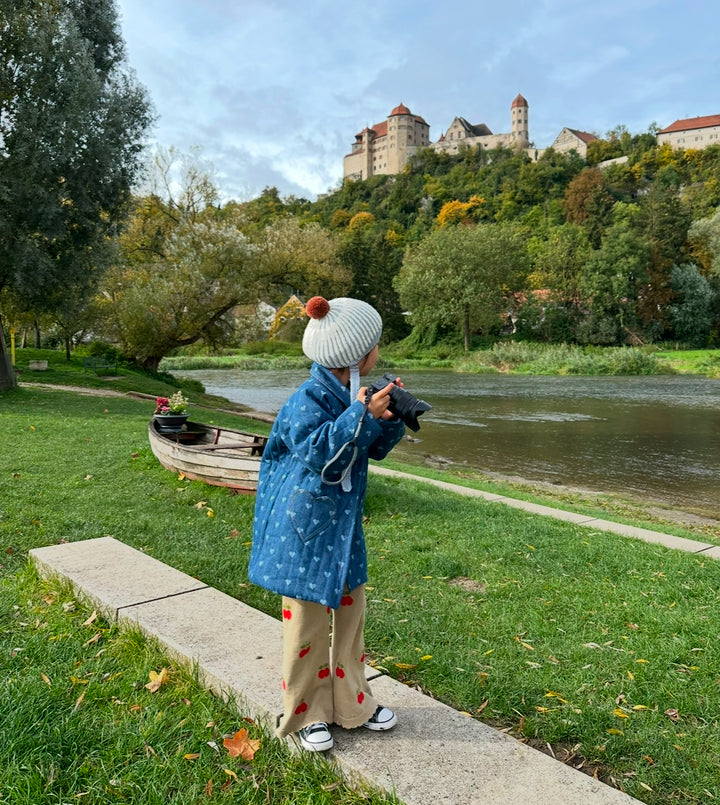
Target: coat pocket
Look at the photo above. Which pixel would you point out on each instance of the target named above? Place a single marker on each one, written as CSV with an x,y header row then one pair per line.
x,y
311,514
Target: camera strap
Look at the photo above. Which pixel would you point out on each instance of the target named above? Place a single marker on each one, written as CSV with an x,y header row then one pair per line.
x,y
344,478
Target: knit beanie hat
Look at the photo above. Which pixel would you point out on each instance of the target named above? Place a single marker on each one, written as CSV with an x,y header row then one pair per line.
x,y
340,333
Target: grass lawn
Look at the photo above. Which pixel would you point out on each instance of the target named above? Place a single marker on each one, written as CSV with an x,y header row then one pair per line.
x,y
601,649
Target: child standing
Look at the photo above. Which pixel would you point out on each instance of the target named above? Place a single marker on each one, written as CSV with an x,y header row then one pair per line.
x,y
308,542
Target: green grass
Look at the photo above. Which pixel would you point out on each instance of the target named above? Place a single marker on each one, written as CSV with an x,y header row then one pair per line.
x,y
695,361
79,724
603,647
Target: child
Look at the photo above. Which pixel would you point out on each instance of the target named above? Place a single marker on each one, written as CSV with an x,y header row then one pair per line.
x,y
308,542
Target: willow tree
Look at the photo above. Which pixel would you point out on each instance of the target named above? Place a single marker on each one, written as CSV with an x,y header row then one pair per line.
x,y
72,119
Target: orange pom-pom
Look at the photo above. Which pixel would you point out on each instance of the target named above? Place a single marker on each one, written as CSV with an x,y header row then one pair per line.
x,y
317,307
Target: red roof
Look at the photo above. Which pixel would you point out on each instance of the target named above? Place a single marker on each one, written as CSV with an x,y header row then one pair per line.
x,y
583,135
400,110
378,129
519,101
692,123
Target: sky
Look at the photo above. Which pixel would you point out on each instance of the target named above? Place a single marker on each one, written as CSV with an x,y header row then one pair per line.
x,y
271,93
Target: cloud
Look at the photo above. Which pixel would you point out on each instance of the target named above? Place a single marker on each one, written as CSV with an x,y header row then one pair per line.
x,y
275,90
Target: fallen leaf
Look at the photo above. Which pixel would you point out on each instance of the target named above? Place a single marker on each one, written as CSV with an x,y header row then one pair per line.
x,y
620,713
672,714
613,731
210,513
91,619
93,639
181,476
79,702
209,788
234,533
201,504
157,680
192,756
405,665
482,706
45,678
230,773
241,745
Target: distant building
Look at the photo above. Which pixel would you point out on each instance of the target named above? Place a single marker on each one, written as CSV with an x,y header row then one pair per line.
x,y
461,132
573,140
693,132
386,147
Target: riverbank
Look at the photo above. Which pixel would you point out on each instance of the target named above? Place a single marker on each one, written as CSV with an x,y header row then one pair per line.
x,y
503,357
561,635
624,508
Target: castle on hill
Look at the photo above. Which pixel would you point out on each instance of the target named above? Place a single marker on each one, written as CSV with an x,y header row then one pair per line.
x,y
386,147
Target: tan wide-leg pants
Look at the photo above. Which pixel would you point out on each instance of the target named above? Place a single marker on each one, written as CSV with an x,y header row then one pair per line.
x,y
320,682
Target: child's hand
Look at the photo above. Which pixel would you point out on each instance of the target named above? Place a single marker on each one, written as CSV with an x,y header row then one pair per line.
x,y
379,402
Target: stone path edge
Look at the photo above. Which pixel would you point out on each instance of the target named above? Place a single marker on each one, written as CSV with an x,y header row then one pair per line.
x,y
644,534
435,756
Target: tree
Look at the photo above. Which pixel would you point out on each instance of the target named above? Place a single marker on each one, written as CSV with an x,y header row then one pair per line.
x,y
72,120
704,239
299,258
463,277
691,312
180,291
589,203
615,277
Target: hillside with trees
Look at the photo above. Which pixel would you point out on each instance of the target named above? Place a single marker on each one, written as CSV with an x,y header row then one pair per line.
x,y
466,249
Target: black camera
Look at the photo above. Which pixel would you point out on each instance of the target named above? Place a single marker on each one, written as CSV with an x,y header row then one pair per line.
x,y
402,404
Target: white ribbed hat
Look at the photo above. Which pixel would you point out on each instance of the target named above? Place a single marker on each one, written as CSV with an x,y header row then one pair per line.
x,y
340,331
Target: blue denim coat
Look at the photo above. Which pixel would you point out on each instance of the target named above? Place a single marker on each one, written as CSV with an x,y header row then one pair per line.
x,y
308,540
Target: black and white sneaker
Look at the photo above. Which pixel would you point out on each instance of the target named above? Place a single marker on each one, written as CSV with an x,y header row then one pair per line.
x,y
381,719
316,737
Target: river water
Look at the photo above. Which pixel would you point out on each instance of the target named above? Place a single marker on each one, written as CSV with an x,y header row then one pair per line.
x,y
654,438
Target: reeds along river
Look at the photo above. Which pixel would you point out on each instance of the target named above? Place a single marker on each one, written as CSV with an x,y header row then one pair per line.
x,y
654,438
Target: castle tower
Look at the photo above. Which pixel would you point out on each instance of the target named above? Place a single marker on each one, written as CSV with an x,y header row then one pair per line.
x,y
519,121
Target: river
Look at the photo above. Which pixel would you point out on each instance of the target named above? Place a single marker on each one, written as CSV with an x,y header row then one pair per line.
x,y
653,438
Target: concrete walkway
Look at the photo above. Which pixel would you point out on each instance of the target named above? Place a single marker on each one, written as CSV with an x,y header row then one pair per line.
x,y
435,755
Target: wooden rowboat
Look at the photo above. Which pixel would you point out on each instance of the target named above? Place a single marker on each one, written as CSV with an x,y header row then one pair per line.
x,y
220,456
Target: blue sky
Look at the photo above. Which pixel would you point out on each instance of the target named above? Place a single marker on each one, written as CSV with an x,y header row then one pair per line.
x,y
272,92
